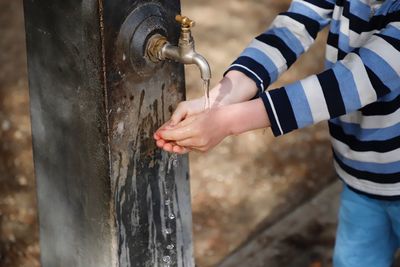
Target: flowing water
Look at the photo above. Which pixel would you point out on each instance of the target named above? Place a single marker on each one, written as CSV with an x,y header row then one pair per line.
x,y
206,89
172,162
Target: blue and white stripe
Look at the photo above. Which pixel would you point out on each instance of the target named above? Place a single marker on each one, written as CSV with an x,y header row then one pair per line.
x,y
359,92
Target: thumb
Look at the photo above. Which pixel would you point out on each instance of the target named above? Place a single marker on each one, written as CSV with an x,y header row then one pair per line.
x,y
178,115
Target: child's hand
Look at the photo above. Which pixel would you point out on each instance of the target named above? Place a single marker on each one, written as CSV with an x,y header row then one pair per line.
x,y
199,132
235,87
186,109
170,146
205,130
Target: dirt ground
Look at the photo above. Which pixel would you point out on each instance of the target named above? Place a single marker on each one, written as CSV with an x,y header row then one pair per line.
x,y
245,184
18,226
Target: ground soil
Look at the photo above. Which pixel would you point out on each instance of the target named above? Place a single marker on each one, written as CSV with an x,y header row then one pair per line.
x,y
246,183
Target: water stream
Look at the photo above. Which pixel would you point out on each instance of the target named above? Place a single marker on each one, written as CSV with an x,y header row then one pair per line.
x,y
206,89
172,163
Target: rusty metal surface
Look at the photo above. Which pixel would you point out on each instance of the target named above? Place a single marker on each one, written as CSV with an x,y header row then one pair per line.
x,y
69,132
152,203
105,193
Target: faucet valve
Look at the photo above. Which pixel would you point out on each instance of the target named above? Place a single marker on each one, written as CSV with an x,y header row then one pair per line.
x,y
185,22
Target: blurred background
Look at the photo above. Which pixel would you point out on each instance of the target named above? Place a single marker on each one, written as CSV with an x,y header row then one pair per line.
x,y
240,191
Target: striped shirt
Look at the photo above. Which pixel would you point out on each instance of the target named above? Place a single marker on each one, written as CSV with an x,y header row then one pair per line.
x,y
359,91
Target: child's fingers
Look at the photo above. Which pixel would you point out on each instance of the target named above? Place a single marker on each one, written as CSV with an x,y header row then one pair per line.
x,y
197,149
168,147
156,136
169,126
190,142
185,122
165,126
179,113
160,143
177,134
180,150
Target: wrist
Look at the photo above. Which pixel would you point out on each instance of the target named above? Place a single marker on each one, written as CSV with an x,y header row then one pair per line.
x,y
242,117
226,119
235,87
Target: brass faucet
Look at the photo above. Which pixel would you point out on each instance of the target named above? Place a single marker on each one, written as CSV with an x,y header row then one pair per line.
x,y
159,49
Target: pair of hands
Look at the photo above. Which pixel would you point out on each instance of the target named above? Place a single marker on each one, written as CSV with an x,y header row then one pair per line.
x,y
192,128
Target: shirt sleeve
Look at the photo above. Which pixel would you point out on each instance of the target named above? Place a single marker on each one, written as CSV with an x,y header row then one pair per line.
x,y
363,76
290,34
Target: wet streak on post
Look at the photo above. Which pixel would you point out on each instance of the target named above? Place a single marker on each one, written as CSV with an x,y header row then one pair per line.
x,y
106,195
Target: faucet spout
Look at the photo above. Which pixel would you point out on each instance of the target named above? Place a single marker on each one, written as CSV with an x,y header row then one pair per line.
x,y
169,51
202,64
159,49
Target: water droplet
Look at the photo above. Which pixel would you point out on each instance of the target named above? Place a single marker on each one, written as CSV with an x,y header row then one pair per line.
x,y
171,162
123,57
6,125
167,202
170,246
167,231
120,128
171,216
169,165
166,259
206,88
175,163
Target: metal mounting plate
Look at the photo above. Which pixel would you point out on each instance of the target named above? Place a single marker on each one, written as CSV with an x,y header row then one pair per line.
x,y
142,23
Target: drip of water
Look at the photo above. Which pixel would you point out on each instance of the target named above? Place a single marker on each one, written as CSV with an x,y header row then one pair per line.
x,y
171,216
172,162
167,259
167,202
206,88
167,231
170,247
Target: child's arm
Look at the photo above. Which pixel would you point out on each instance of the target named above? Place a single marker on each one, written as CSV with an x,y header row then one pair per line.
x,y
235,87
364,75
205,130
267,57
361,78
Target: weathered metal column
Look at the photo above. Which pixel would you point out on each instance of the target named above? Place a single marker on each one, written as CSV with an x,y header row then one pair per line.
x,y
107,196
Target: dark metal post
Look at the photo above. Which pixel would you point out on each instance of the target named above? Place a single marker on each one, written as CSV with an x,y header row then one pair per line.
x,y
107,196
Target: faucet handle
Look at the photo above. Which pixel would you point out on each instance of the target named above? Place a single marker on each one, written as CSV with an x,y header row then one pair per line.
x,y
185,21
